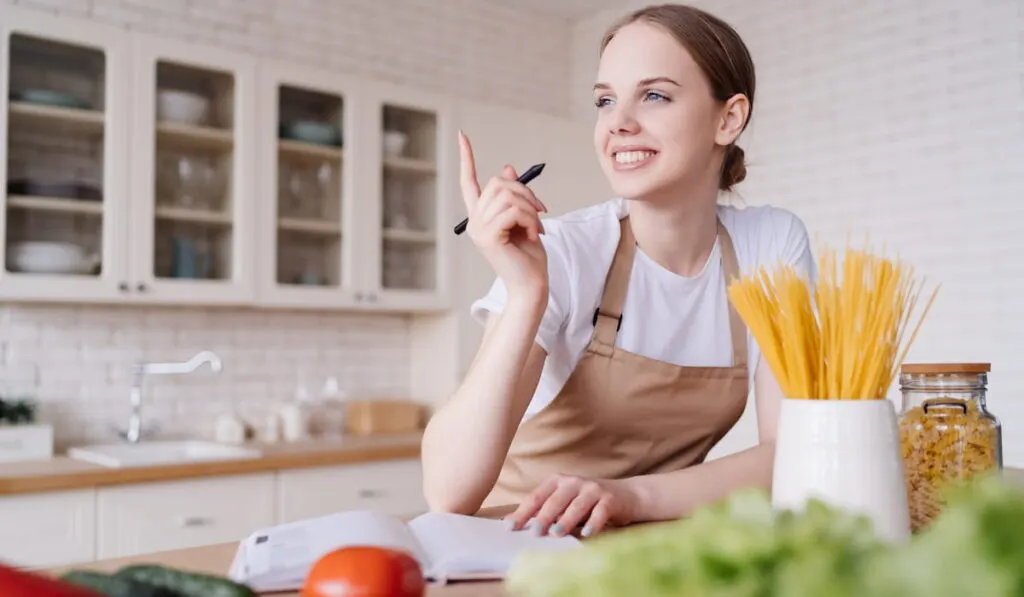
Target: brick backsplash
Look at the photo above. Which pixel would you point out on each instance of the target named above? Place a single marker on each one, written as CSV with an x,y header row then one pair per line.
x,y
77,360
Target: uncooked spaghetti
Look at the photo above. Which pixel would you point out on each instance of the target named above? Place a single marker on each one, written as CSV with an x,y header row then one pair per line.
x,y
842,336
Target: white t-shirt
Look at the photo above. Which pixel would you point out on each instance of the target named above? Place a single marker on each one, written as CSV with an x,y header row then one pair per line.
x,y
667,317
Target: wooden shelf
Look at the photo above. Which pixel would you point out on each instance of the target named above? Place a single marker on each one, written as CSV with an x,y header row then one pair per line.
x,y
324,227
195,216
203,137
410,165
90,121
408,236
309,150
55,204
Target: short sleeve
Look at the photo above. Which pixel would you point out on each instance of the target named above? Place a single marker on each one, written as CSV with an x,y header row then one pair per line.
x,y
795,244
560,292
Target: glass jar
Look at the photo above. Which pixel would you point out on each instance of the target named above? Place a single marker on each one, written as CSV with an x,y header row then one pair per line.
x,y
946,433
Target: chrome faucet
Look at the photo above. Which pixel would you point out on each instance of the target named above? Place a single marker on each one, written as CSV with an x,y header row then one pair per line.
x,y
133,433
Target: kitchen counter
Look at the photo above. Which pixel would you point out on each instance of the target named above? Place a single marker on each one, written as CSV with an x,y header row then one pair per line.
x,y
64,473
216,559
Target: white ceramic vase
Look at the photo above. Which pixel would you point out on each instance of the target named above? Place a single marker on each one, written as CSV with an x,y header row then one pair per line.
x,y
847,454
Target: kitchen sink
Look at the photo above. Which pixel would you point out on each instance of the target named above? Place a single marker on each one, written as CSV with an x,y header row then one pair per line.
x,y
149,453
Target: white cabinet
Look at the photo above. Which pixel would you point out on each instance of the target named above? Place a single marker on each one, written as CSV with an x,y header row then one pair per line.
x,y
149,517
393,487
64,171
193,194
151,170
48,529
59,528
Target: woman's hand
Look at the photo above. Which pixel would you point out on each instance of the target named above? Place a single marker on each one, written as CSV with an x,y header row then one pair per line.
x,y
563,502
504,223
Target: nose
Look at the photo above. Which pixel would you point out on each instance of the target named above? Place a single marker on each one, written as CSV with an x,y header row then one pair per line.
x,y
621,121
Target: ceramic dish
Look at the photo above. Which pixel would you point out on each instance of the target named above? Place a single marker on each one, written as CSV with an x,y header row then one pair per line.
x,y
46,97
311,131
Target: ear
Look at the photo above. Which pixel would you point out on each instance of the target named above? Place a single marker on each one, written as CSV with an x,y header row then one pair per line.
x,y
733,118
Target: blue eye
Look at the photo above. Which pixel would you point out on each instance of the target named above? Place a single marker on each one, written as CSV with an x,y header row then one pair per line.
x,y
655,96
601,102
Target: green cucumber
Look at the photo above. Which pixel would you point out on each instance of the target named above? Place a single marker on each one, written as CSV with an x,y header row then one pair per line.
x,y
185,584
116,586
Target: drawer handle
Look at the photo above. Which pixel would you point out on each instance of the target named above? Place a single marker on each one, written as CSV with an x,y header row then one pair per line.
x,y
193,521
370,493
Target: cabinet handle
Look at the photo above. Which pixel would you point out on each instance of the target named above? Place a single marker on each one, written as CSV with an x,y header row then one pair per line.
x,y
370,493
123,286
193,521
142,287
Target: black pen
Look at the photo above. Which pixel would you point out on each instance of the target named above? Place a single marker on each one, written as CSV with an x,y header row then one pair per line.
x,y
524,178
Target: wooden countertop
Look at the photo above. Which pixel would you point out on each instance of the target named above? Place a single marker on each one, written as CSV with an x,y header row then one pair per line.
x,y
216,559
63,473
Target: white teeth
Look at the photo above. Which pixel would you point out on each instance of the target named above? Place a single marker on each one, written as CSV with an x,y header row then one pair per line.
x,y
629,157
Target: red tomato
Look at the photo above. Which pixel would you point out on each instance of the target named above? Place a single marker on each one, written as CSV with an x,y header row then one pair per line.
x,y
365,571
22,583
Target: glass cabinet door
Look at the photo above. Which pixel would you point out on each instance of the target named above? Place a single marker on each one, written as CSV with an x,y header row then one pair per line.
x,y
194,191
411,210
63,160
306,187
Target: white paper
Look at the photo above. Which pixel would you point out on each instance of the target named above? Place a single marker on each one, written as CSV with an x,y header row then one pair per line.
x,y
278,558
447,546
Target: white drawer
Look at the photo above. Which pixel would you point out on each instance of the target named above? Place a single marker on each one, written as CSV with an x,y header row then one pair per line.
x,y
392,487
48,529
149,517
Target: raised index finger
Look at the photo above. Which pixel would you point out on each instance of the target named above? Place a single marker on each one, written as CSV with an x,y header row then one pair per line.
x,y
467,178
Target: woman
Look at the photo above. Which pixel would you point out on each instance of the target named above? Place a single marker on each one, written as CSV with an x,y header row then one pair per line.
x,y
612,362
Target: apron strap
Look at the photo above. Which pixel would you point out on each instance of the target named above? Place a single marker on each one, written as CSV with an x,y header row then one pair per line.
x,y
731,271
608,317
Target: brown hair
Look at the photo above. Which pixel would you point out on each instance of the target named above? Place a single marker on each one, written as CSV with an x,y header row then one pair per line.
x,y
719,52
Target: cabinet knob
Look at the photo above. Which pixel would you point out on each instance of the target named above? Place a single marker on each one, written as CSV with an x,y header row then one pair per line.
x,y
370,493
359,297
142,287
123,286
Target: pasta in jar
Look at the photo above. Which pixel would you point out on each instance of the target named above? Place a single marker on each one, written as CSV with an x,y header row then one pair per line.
x,y
946,434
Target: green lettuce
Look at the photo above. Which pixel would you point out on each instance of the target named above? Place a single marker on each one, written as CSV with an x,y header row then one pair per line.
x,y
742,547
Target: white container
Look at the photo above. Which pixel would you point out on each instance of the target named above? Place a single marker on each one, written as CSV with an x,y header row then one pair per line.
x,y
394,143
847,454
185,107
26,442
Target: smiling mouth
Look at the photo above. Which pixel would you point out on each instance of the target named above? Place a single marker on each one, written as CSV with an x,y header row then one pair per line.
x,y
633,158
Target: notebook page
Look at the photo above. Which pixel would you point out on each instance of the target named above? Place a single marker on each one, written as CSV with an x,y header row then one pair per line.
x,y
462,545
278,558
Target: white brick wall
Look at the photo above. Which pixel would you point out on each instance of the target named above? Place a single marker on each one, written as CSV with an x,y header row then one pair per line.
x,y
76,359
904,121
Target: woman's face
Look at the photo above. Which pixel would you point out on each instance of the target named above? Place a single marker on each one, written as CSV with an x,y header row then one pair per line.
x,y
657,123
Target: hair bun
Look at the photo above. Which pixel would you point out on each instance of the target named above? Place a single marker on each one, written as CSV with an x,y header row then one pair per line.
x,y
734,168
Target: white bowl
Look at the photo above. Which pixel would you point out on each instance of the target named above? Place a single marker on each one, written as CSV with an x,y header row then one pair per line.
x,y
47,258
394,143
181,106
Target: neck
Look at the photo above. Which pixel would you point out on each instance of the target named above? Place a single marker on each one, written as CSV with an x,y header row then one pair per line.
x,y
678,231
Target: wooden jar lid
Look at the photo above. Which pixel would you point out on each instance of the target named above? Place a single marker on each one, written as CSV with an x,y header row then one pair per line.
x,y
913,368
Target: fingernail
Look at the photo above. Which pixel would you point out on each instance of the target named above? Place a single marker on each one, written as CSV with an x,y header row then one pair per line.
x,y
510,524
556,529
587,530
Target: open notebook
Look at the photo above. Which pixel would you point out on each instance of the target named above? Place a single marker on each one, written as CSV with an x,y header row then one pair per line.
x,y
447,546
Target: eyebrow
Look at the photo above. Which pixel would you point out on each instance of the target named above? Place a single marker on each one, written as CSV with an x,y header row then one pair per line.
x,y
642,83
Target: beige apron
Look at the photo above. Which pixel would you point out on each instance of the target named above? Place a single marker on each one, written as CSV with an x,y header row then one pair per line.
x,y
621,414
